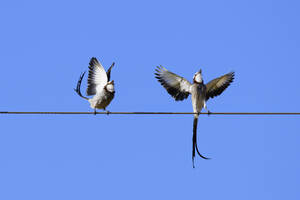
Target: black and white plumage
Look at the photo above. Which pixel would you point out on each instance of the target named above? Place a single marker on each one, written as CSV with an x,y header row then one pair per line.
x,y
177,86
99,85
180,88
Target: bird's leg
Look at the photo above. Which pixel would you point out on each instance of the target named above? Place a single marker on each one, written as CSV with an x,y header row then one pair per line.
x,y
95,112
107,112
205,107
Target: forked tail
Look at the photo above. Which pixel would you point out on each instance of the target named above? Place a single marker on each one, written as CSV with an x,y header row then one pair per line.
x,y
77,89
195,146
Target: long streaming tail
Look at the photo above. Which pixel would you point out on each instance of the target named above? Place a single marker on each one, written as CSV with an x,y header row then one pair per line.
x,y
77,90
195,146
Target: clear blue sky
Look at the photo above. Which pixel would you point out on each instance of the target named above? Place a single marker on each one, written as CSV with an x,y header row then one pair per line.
x,y
44,46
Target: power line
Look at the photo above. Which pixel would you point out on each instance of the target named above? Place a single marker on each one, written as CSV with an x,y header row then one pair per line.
x,y
150,113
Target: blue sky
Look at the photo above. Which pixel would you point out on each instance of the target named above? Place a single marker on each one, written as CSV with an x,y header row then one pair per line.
x,y
46,45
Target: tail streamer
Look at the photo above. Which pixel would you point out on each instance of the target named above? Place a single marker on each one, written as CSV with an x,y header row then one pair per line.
x,y
195,145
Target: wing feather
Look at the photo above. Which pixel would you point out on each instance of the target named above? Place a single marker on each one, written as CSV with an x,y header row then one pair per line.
x,y
97,78
218,85
177,86
109,70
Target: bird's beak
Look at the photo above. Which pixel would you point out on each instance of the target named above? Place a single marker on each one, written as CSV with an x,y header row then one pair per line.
x,y
112,82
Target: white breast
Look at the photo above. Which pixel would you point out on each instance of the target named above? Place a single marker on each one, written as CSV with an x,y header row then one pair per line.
x,y
198,97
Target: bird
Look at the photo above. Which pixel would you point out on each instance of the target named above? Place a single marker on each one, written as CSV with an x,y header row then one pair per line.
x,y
180,88
99,85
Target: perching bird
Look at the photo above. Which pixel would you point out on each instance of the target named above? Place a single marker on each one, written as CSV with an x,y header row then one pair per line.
x,y
180,88
99,85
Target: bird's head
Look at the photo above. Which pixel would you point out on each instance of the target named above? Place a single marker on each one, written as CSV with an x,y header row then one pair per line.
x,y
110,86
198,77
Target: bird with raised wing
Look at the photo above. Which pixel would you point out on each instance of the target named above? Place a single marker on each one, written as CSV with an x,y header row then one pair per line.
x,y
99,85
180,88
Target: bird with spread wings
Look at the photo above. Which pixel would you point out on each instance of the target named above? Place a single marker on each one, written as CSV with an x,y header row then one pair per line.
x,y
180,88
99,85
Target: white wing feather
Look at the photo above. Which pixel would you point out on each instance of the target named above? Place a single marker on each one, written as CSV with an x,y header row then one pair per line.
x,y
177,86
97,78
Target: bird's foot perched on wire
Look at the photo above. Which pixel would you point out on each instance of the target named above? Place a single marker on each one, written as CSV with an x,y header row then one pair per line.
x,y
95,112
107,112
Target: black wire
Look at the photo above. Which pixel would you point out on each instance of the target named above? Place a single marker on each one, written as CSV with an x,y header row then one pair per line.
x,y
151,113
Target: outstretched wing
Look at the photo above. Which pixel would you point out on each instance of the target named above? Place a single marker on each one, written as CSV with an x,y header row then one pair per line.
x,y
218,85
97,78
109,70
177,86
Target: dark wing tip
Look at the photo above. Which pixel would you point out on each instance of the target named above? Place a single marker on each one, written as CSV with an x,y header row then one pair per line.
x,y
109,71
232,74
93,58
217,91
157,72
159,67
93,61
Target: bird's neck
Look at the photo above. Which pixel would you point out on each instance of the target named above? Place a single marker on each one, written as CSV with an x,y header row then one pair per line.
x,y
196,82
